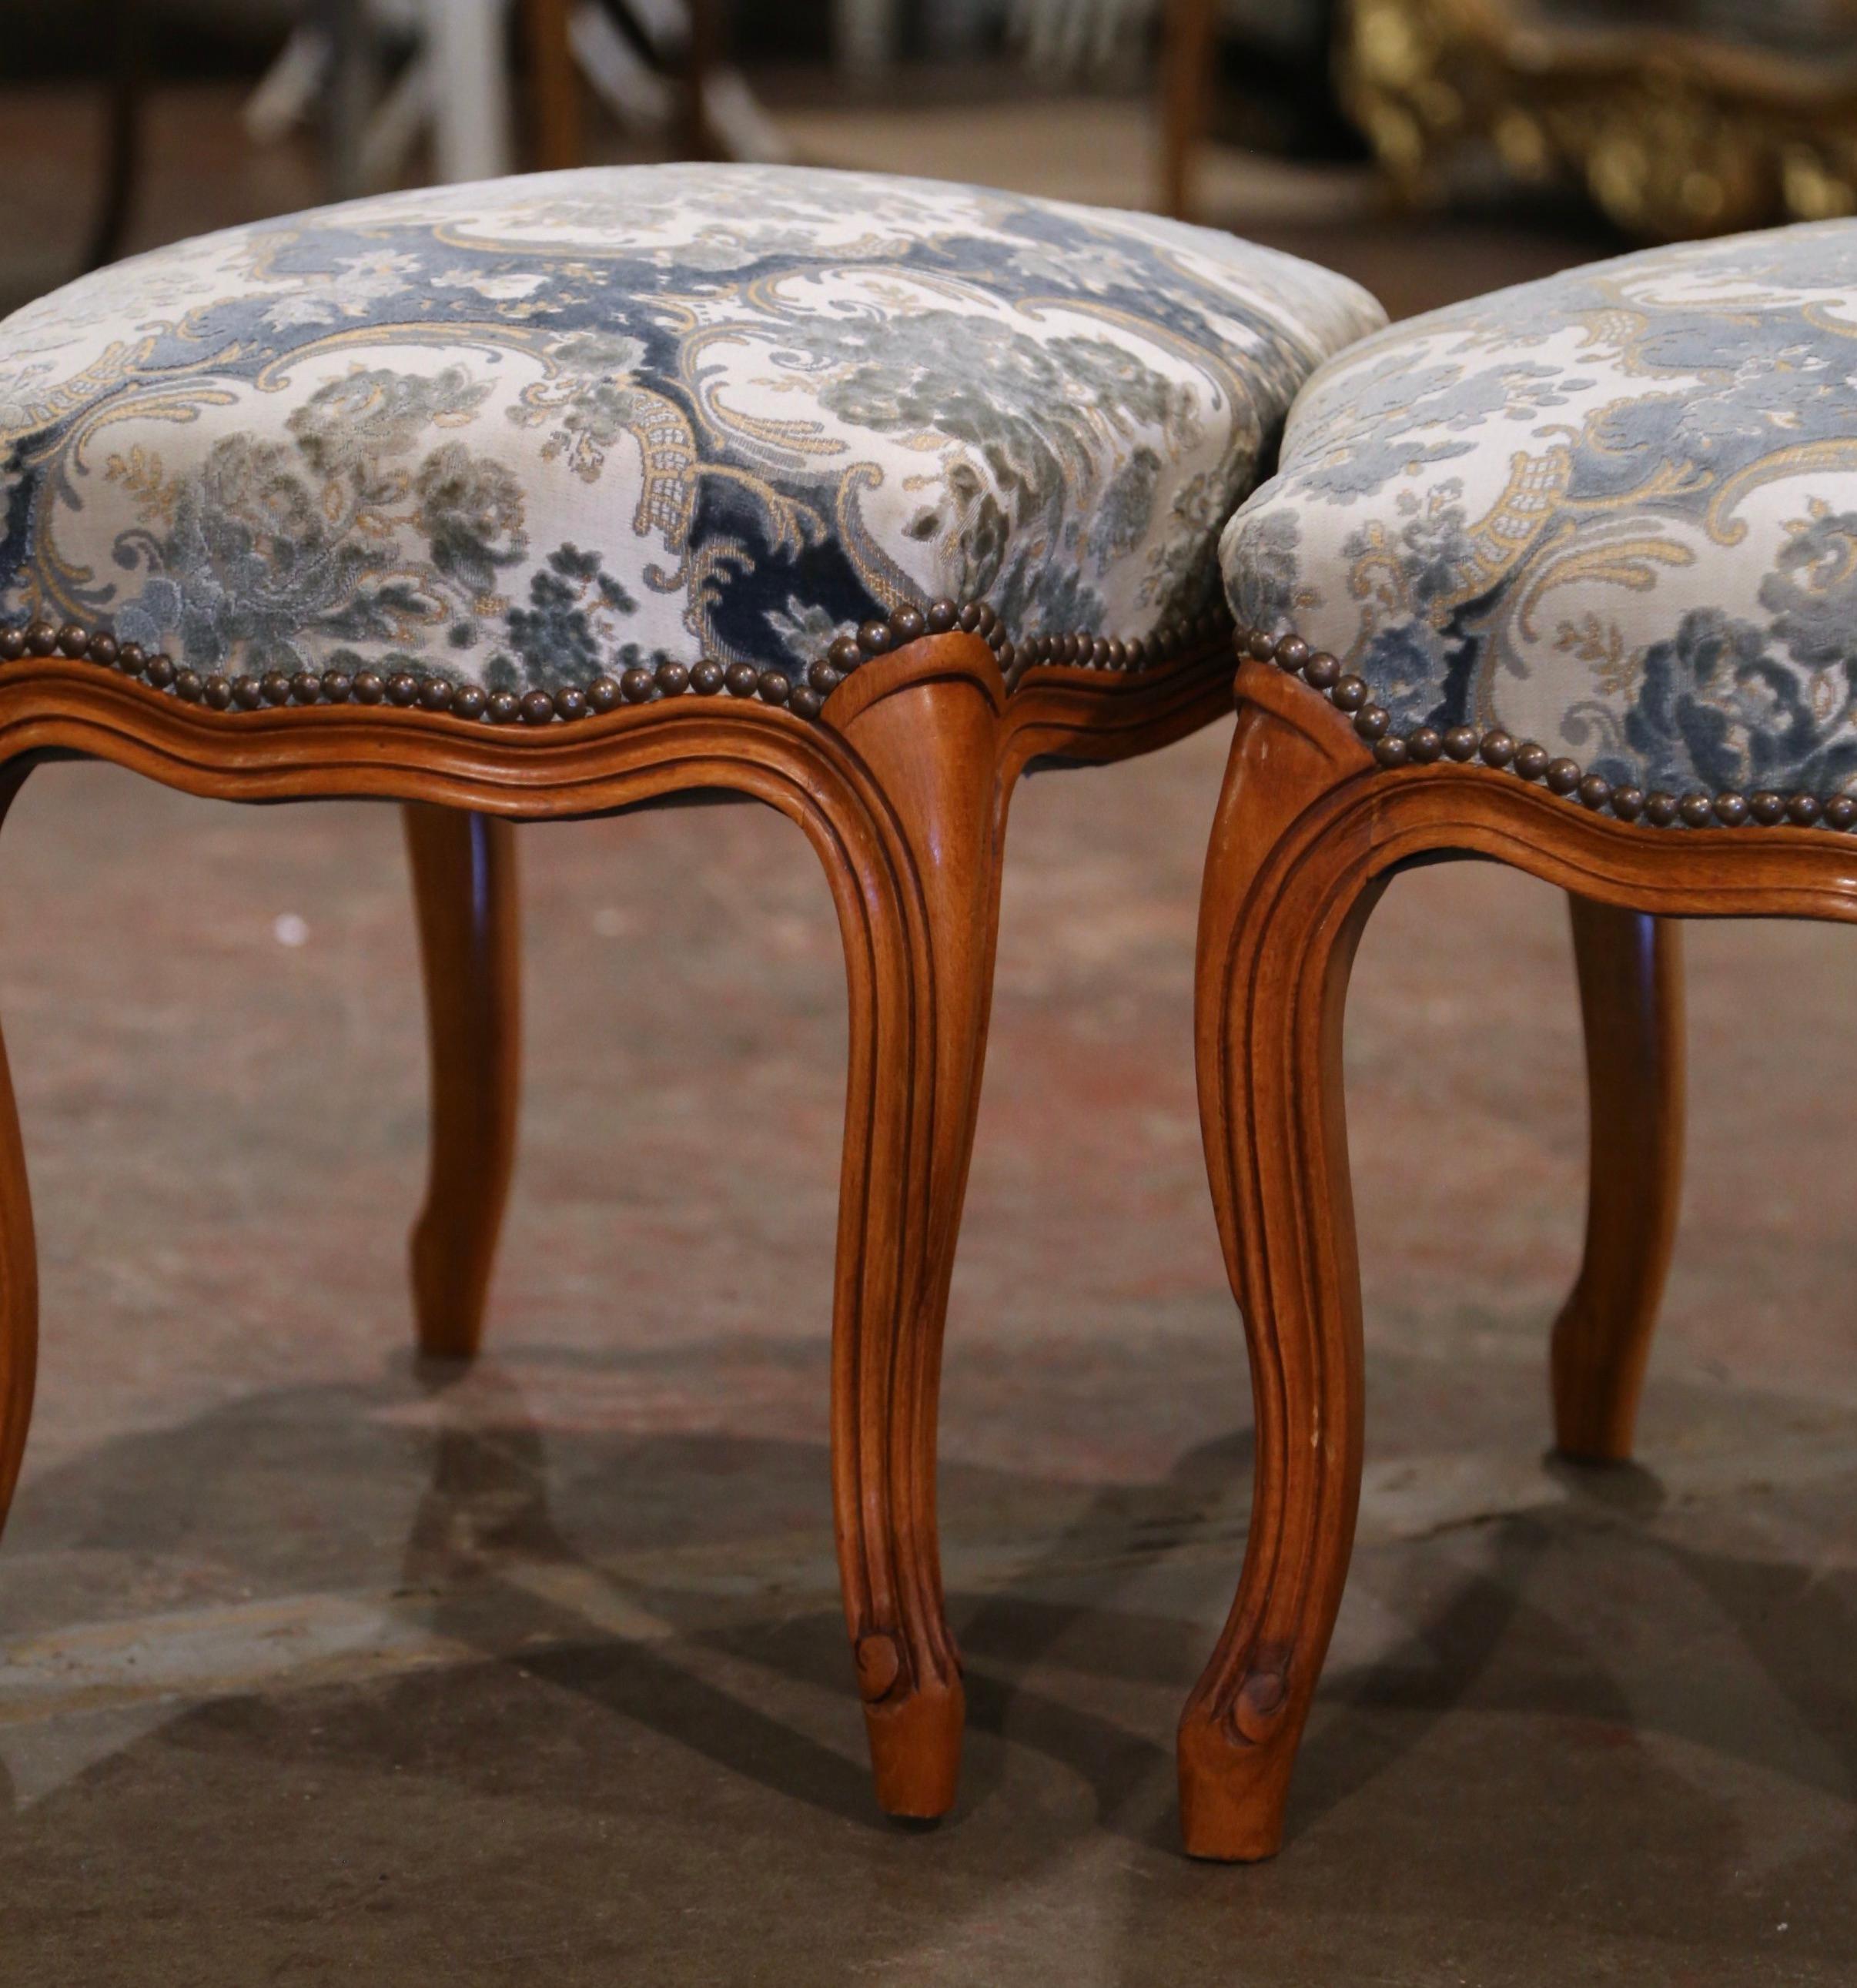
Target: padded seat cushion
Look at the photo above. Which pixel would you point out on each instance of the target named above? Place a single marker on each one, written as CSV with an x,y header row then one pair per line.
x,y
528,432
1614,511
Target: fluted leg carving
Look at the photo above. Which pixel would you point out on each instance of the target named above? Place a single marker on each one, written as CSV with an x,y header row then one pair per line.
x,y
463,880
1274,955
925,723
1630,967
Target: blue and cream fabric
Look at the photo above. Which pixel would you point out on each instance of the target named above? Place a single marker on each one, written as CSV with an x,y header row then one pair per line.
x,y
524,433
1614,511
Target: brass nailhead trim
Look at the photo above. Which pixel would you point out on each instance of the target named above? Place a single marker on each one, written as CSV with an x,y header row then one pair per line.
x,y
1531,762
708,679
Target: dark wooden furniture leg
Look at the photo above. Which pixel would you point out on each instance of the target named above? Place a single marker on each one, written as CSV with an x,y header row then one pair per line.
x,y
19,1260
464,881
554,87
1188,47
1630,971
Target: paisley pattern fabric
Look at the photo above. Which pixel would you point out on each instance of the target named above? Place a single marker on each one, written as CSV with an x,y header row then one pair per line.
x,y
1614,511
525,433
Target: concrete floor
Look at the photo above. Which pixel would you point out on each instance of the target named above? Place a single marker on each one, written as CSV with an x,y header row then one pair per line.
x,y
316,1666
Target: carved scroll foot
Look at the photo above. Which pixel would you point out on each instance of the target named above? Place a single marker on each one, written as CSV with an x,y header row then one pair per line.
x,y
464,879
1630,969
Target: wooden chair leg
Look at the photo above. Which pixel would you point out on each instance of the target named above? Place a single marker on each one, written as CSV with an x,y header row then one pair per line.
x,y
18,1264
919,1013
1276,945
463,880
1630,968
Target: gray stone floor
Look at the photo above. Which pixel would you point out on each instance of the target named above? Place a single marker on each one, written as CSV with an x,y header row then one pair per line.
x,y
315,1666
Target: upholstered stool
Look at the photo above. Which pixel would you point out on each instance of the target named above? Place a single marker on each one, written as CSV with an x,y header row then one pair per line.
x,y
1567,578
557,496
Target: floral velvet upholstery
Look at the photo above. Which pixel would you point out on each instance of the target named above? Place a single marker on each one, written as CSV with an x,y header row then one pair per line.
x,y
526,433
1614,511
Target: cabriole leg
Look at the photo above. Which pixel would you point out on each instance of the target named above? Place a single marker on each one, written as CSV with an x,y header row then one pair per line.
x,y
920,972
19,1262
463,880
1630,968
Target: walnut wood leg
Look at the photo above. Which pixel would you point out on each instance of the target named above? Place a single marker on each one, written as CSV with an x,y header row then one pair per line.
x,y
464,879
1276,939
18,1264
1630,993
931,743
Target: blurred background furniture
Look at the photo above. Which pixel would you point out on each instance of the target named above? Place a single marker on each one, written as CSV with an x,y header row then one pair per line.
x,y
1677,118
1674,117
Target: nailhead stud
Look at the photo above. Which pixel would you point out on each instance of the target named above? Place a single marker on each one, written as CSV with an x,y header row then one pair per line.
x,y
907,624
1322,670
1660,808
807,701
538,707
1531,760
72,640
1561,775
1460,742
1696,809
12,644
469,700
1426,744
673,679
636,685
874,637
305,688
1731,810
1766,807
743,679
1595,791
42,638
435,694
1350,693
605,693
506,706
941,617
774,688
1840,812
1373,721
369,687
1498,748
1804,810
706,678
570,703
1390,752
1627,803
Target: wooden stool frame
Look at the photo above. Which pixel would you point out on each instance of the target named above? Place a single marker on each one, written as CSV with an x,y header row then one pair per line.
x,y
1322,805
899,768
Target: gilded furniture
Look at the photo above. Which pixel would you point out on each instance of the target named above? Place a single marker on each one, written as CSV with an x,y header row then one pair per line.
x,y
554,497
1562,578
1679,117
